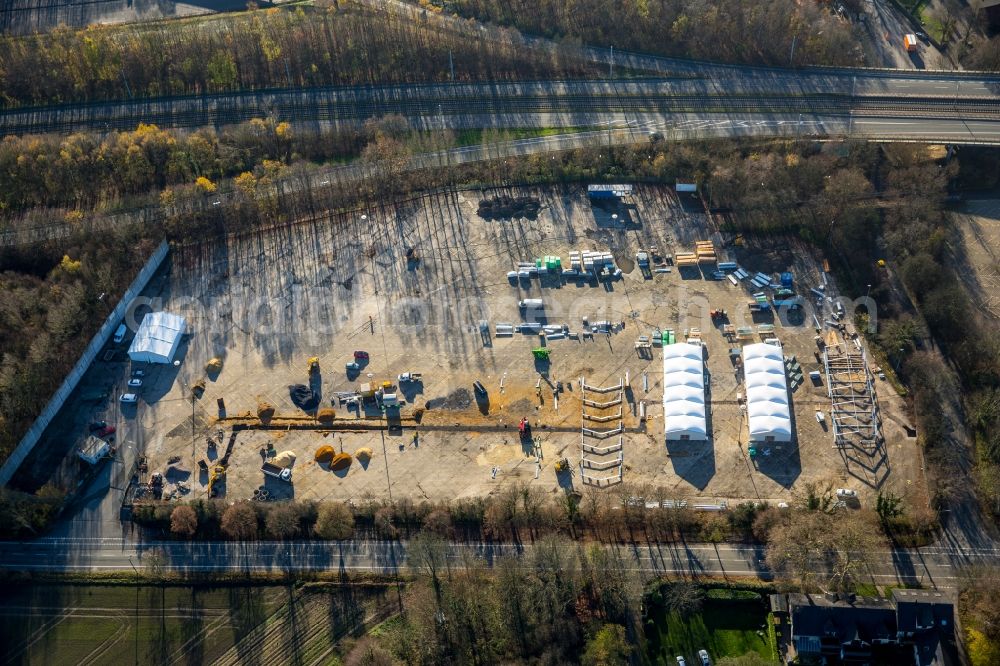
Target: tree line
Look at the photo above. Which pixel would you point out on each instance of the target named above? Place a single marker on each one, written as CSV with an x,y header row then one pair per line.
x,y
50,309
88,171
304,46
780,32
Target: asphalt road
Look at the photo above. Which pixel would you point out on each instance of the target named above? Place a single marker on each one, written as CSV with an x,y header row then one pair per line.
x,y
932,566
427,106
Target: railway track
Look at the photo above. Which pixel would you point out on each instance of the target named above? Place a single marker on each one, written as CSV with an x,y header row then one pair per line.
x,y
437,104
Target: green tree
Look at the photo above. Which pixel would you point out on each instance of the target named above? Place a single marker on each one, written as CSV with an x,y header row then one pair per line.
x,y
221,70
608,647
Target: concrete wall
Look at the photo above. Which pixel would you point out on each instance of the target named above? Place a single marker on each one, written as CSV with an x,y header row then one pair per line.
x,y
34,433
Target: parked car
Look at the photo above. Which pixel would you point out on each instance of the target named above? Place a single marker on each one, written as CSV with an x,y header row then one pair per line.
x,y
134,383
138,373
97,425
680,661
845,493
128,398
105,431
703,655
360,356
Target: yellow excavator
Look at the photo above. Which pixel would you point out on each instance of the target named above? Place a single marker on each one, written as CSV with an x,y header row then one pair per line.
x,y
313,365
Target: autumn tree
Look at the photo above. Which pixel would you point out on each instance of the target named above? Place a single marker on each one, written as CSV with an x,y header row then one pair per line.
x,y
334,522
832,550
184,521
239,522
283,521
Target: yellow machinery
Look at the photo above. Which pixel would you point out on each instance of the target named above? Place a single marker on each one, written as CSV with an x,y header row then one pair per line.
x,y
313,365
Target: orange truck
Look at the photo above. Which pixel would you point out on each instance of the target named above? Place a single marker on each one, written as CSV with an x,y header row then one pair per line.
x,y
910,42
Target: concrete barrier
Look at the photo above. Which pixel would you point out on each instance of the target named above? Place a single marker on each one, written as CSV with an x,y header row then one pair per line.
x,y
34,433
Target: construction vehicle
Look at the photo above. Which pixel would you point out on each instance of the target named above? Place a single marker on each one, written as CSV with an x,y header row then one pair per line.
x,y
562,465
217,474
313,365
540,354
524,428
718,315
413,377
910,42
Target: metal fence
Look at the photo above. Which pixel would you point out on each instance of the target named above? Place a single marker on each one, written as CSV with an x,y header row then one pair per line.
x,y
34,433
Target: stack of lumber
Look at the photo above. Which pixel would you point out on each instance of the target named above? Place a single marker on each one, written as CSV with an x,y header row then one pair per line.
x,y
705,251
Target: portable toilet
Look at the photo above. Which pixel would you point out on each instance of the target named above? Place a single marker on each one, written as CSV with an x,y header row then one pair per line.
x,y
786,280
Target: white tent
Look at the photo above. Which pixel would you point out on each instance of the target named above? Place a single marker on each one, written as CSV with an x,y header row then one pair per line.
x,y
684,391
158,337
767,393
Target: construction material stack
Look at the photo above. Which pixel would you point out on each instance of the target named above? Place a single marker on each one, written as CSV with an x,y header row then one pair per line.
x,y
705,250
684,259
602,457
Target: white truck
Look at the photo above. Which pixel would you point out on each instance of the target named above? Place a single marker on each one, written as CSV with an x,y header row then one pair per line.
x,y
283,473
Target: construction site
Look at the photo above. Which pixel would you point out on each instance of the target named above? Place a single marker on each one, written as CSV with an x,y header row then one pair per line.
x,y
603,338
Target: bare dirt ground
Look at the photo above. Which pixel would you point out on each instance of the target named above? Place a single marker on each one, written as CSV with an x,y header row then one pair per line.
x,y
265,302
978,252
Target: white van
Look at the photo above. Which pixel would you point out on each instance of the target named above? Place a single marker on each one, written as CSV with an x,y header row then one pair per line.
x,y
120,334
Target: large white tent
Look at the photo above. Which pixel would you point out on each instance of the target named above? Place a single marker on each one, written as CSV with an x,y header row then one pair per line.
x,y
158,337
684,391
767,393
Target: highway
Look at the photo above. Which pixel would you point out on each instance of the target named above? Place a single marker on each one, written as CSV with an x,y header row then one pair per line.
x,y
931,566
466,105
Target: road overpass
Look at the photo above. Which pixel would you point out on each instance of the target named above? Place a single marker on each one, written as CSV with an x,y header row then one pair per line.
x,y
936,106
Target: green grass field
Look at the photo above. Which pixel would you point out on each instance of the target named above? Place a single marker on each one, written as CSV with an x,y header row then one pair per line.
x,y
77,624
724,628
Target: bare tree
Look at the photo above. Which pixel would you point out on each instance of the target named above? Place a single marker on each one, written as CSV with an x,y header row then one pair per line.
x,y
239,522
334,521
282,521
184,521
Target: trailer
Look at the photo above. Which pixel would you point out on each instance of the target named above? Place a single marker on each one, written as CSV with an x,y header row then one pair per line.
x,y
910,42
531,303
93,450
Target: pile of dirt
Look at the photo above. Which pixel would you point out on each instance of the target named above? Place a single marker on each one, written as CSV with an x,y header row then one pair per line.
x,y
265,411
214,366
340,461
507,208
324,454
457,399
284,459
303,398
363,454
326,415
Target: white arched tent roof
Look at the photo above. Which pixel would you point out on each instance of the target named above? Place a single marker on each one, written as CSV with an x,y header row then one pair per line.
x,y
158,338
768,410
684,391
